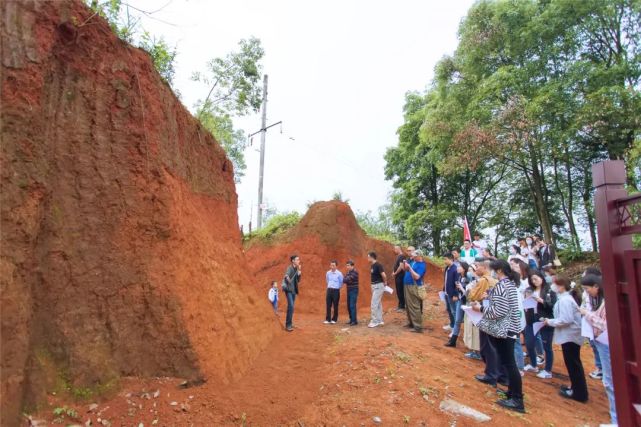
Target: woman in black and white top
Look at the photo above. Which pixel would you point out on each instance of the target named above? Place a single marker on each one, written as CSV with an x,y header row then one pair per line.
x,y
502,322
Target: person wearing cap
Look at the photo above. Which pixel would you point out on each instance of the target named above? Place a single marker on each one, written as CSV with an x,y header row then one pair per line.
x,y
351,281
414,290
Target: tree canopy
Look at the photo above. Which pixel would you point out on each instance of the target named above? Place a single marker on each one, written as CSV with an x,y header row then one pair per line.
x,y
536,91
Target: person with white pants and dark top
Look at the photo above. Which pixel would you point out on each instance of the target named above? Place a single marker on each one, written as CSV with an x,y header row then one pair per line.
x,y
378,280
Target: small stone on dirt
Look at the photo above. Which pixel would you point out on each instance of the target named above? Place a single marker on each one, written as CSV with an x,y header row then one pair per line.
x,y
156,394
377,420
93,407
154,422
457,408
174,403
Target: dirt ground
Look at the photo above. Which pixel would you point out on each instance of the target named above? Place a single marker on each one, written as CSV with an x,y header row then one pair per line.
x,y
334,375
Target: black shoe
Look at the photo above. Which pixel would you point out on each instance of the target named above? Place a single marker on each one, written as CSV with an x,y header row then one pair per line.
x,y
452,341
512,404
417,330
566,392
564,387
485,380
503,382
353,324
409,326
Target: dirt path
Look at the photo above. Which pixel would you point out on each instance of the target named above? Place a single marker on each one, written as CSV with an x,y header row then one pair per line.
x,y
335,375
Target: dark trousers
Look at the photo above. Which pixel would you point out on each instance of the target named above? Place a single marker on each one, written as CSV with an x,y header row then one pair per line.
x,y
488,354
400,291
291,298
352,296
547,336
572,359
331,300
530,344
505,350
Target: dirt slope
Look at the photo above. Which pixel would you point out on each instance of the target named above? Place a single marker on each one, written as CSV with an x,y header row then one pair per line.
x,y
120,243
327,231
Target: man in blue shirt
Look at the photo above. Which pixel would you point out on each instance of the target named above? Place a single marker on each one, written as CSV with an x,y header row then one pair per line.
x,y
334,280
414,291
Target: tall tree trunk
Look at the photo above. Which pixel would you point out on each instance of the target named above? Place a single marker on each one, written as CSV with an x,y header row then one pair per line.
x,y
586,194
566,203
538,194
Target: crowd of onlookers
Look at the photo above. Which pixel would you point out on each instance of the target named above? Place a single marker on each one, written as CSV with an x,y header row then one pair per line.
x,y
501,306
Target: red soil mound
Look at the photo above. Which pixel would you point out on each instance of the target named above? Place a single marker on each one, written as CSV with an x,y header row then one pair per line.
x,y
120,247
328,231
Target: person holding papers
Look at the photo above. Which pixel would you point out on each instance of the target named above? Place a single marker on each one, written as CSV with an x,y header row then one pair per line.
x,y
545,309
567,333
595,316
501,321
536,288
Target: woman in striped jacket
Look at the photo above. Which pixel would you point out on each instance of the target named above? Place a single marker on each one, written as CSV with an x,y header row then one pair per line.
x,y
502,322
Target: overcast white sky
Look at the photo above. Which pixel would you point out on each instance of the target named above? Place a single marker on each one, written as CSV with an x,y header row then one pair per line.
x,y
338,72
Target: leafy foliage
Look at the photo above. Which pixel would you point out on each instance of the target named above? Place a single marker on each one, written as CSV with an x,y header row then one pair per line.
x,y
235,87
161,54
534,94
378,225
277,225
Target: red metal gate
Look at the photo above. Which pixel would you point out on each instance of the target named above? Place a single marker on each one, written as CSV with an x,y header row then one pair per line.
x,y
618,217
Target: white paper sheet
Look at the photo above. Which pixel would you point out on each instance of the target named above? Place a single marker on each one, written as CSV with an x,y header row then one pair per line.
x,y
536,327
529,302
603,338
442,295
474,316
586,329
389,290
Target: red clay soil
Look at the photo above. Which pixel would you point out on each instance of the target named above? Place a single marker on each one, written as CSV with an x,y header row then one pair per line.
x,y
120,243
332,375
328,231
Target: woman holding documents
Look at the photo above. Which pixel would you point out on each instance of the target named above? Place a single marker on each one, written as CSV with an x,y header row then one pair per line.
x,y
501,321
595,316
546,299
567,333
538,294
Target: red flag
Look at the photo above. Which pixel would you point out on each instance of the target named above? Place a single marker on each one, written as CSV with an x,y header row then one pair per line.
x,y
466,230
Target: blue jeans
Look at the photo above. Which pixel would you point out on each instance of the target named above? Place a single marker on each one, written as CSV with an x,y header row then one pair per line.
x,y
275,305
459,315
597,359
539,344
530,344
519,358
547,334
606,366
451,309
352,296
291,298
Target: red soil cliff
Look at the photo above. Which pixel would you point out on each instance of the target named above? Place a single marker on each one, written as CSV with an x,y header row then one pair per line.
x,y
120,247
328,231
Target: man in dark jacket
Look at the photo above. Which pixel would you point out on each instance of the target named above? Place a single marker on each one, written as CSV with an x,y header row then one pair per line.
x,y
290,286
547,254
449,287
399,273
351,281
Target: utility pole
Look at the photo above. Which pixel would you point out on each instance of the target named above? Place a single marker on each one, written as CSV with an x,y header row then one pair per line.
x,y
263,131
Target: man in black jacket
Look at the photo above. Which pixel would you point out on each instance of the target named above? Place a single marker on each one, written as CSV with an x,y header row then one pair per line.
x,y
547,254
351,281
290,282
398,272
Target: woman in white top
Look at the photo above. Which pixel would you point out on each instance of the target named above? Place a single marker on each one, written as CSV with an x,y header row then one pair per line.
x,y
567,333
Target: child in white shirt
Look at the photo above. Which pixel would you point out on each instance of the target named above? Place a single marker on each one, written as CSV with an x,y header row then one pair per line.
x,y
273,296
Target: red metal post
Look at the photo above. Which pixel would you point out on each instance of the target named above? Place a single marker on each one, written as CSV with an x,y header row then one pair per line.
x,y
621,288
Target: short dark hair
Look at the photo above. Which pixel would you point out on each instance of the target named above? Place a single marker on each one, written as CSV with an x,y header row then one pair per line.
x,y
292,258
448,255
334,262
593,270
350,262
372,255
591,280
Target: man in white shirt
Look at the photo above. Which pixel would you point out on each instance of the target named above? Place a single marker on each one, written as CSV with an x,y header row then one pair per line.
x,y
334,280
468,253
479,244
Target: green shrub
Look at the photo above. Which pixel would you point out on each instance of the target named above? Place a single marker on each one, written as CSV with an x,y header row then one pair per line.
x,y
277,225
568,255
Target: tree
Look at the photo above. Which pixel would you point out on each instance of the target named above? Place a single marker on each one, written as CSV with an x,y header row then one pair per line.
x,y
234,84
161,54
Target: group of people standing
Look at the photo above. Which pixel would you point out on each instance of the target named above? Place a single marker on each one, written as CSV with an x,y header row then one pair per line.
x,y
519,297
526,298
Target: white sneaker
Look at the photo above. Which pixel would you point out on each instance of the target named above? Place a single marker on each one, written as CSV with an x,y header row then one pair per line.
x,y
447,327
450,335
530,368
540,360
597,375
544,374
332,322
381,323
326,322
